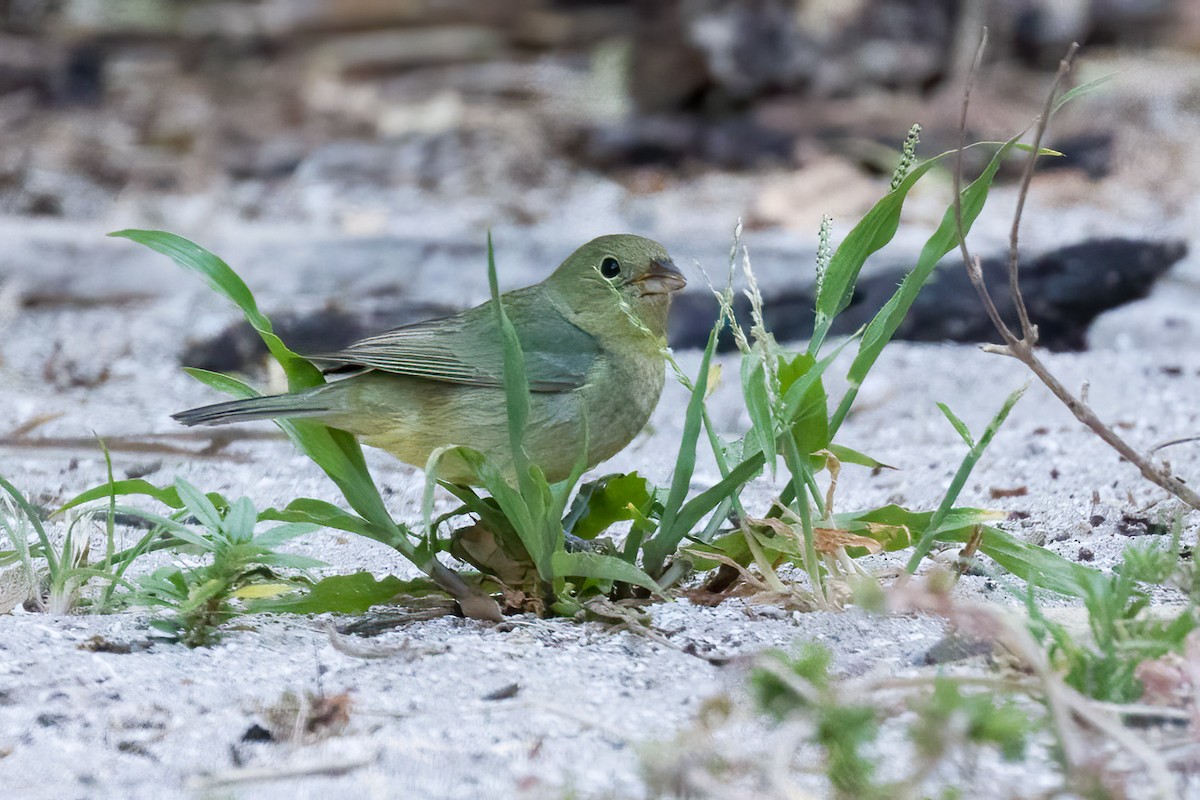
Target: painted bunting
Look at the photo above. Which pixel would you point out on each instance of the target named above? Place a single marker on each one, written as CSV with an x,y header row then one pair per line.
x,y
591,332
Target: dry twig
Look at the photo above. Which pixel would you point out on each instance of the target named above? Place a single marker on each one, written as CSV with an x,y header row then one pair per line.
x,y
1022,348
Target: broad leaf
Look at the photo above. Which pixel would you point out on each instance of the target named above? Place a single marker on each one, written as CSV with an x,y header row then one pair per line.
x,y
342,594
602,567
608,500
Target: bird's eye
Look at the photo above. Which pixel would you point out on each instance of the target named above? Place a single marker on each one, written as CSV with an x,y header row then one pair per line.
x,y
610,267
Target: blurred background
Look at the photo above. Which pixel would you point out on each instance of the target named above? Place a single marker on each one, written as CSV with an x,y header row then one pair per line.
x,y
552,121
354,113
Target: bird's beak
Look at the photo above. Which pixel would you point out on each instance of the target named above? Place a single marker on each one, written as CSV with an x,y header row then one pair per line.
x,y
663,277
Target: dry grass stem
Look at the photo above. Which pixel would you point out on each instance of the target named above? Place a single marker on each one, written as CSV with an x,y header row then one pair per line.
x,y
1071,713
236,777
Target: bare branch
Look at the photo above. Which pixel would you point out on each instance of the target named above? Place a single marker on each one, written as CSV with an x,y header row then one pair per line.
x,y
975,273
1028,330
1023,349
973,268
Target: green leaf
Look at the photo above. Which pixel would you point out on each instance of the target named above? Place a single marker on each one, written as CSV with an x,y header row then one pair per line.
x,y
797,393
201,507
896,527
222,279
326,515
289,560
694,510
810,424
958,424
516,384
167,495
223,383
885,323
560,492
872,233
31,514
156,520
284,533
758,405
336,452
847,455
1080,90
490,513
601,567
960,479
607,500
1035,565
240,520
533,508
670,532
342,594
731,545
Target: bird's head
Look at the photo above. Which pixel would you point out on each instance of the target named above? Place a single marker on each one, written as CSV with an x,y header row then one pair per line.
x,y
620,269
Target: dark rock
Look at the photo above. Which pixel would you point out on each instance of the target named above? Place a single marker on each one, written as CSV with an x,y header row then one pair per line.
x,y
955,648
143,469
257,733
1133,525
1064,289
83,77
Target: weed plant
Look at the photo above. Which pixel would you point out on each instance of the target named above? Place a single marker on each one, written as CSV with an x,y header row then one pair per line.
x,y
533,548
236,562
53,574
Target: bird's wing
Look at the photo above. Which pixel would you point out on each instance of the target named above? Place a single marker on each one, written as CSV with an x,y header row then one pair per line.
x,y
467,348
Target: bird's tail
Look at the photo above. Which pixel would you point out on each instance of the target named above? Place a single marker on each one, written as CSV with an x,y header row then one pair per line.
x,y
282,405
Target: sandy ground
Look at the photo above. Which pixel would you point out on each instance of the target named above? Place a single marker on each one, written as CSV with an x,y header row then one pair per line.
x,y
169,721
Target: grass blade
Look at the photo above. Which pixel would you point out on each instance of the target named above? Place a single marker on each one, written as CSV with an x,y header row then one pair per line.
x,y
516,385
602,567
337,453
663,543
883,326
958,424
223,280
872,233
1035,565
201,507
758,405
960,479
31,514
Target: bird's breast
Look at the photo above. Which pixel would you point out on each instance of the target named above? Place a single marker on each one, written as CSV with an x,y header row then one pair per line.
x,y
619,396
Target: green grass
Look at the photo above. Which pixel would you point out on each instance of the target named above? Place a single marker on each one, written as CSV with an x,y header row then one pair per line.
x,y
235,560
549,548
517,540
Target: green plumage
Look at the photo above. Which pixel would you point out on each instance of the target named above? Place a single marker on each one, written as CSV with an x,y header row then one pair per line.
x,y
591,332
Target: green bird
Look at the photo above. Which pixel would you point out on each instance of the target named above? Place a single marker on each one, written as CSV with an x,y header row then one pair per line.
x,y
592,334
